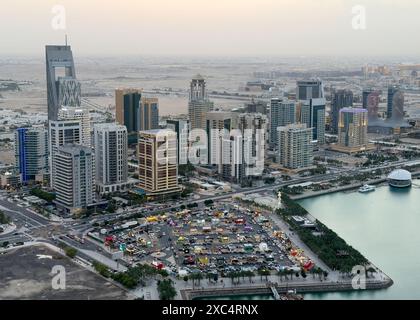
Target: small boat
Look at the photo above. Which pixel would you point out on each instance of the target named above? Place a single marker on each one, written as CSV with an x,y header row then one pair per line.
x,y
367,188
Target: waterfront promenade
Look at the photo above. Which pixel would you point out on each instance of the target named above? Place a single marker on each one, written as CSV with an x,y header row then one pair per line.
x,y
260,286
353,186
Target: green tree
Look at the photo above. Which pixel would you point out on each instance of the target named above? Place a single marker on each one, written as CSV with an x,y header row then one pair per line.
x,y
4,219
166,290
70,252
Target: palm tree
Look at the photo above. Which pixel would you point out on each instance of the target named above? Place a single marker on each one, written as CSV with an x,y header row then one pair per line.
x,y
199,277
280,274
209,276
250,275
232,276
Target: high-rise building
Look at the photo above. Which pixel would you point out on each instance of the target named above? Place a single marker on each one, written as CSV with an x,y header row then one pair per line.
x,y
317,121
111,164
295,146
199,103
78,114
62,132
256,107
310,94
248,157
62,85
218,126
149,114
74,178
371,103
127,109
340,99
158,167
31,153
312,114
309,89
182,129
353,128
395,106
282,113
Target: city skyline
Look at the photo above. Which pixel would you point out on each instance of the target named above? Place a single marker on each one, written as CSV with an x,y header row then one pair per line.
x,y
190,179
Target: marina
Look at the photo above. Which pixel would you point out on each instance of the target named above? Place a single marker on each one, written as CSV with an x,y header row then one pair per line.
x,y
384,226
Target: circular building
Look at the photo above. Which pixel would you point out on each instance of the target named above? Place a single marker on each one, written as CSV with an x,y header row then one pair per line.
x,y
400,179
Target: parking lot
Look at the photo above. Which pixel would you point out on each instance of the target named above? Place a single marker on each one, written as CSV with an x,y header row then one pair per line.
x,y
220,239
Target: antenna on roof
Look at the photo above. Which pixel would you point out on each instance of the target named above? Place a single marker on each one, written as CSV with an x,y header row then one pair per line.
x,y
66,40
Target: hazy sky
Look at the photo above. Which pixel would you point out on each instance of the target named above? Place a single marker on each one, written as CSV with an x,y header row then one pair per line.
x,y
213,27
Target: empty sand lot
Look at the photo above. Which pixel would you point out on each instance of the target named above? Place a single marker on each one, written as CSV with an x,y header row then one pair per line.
x,y
27,274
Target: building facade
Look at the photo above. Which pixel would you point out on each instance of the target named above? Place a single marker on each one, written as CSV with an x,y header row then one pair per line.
x,y
182,129
198,104
62,88
282,113
127,108
31,153
340,99
74,178
371,100
83,116
62,132
149,114
249,157
353,128
295,146
395,104
309,89
111,166
310,94
158,167
218,127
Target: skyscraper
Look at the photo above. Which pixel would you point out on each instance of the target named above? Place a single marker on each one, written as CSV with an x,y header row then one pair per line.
x,y
83,116
158,168
111,165
62,85
199,103
371,103
74,178
149,114
182,129
295,146
248,158
310,93
317,120
309,89
127,104
340,99
282,113
218,126
31,152
395,106
353,127
62,132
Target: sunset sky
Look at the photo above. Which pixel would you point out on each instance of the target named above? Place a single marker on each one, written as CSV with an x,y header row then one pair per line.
x,y
213,27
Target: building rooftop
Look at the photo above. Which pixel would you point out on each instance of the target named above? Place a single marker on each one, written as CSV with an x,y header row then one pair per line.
x,y
400,174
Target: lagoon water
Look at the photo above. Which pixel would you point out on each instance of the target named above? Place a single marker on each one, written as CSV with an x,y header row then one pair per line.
x,y
385,227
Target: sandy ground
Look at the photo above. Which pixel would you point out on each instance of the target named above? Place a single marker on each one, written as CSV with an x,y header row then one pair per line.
x,y
27,274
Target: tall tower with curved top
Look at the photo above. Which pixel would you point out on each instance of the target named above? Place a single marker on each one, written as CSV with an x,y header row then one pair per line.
x,y
63,89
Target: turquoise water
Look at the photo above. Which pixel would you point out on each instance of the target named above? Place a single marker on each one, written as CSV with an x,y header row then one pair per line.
x,y
385,227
